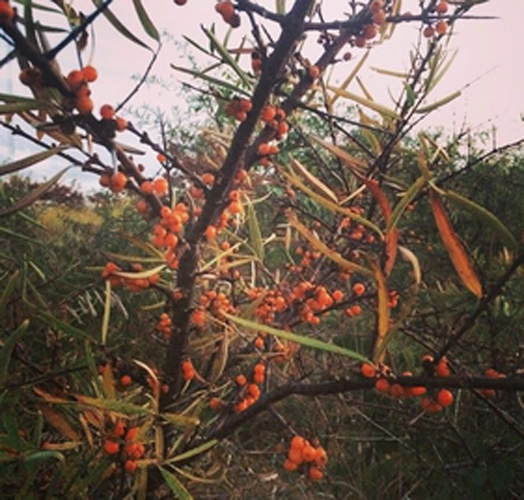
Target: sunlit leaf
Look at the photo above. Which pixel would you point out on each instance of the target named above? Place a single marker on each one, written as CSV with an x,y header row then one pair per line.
x,y
379,108
312,180
320,246
319,345
194,452
388,72
33,195
113,405
147,24
410,257
138,275
354,163
180,421
456,251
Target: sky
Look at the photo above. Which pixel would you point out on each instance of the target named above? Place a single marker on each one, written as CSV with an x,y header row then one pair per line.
x,y
487,66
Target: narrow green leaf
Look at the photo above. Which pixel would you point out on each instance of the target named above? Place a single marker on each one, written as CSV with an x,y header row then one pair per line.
x,y
113,20
349,79
44,456
65,327
175,485
180,421
439,103
28,161
7,350
484,216
228,59
33,195
147,24
137,275
388,72
210,79
9,287
111,405
193,452
406,199
319,345
27,105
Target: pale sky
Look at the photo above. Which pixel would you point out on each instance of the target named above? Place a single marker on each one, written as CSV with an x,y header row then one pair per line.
x,y
488,66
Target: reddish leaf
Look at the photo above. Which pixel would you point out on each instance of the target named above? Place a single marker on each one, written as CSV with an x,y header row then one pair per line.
x,y
456,251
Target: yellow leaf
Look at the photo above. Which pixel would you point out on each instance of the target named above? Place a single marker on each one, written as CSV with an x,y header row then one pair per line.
x,y
59,422
379,350
456,251
314,181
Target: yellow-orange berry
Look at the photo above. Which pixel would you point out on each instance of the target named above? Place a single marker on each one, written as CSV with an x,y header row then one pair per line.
x,y
126,380
89,73
111,447
383,385
444,398
241,379
315,474
130,466
84,105
368,370
290,466
107,112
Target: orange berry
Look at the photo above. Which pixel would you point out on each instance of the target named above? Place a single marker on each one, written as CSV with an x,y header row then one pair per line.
x,y
397,391
268,113
121,124
111,447
254,391
441,27
321,456
442,368
84,105
308,453
161,157
417,391
314,72
383,385
132,433
359,288
126,380
290,466
337,295
215,404
444,398
107,112
130,466
75,78
442,7
89,73
259,378
295,455
297,443
119,429
160,186
241,380
211,232
7,12
208,178
198,317
315,474
368,370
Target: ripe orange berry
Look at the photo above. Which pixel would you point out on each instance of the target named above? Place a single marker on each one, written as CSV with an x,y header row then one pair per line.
x,y
417,391
308,453
368,370
119,429
84,105
89,73
359,288
441,27
254,391
126,380
160,186
111,447
442,368
215,404
445,398
315,474
397,391
107,112
314,72
383,385
121,124
241,380
211,232
321,456
75,78
290,466
295,455
198,317
7,12
442,7
297,443
131,466
132,433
